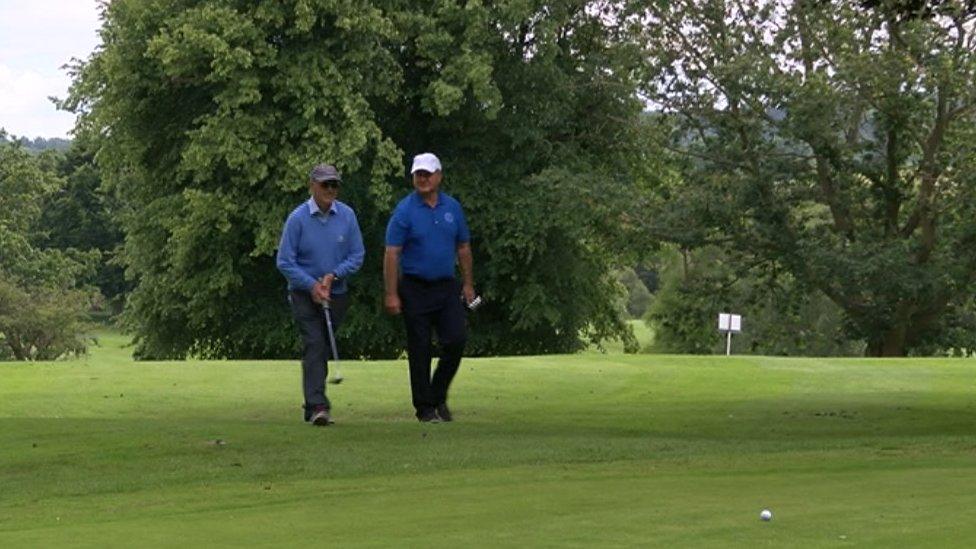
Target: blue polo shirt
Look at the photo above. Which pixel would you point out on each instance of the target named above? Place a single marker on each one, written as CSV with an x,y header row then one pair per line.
x,y
429,236
315,243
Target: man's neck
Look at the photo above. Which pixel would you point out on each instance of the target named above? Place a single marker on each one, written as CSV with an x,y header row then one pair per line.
x,y
324,207
429,198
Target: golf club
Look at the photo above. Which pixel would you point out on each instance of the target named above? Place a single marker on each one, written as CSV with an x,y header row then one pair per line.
x,y
336,375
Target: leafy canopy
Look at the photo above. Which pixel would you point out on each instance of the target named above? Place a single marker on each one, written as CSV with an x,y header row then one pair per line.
x,y
42,303
208,114
829,141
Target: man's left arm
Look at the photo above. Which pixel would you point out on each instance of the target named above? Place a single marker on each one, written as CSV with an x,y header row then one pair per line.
x,y
466,262
465,259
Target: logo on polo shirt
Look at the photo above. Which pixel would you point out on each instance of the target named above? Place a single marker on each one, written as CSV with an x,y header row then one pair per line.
x,y
449,217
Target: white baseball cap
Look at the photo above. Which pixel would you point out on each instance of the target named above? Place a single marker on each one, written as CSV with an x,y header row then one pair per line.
x,y
426,162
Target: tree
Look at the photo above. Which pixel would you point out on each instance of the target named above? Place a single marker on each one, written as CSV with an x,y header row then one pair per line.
x,y
39,144
780,316
79,216
637,298
831,142
208,113
42,306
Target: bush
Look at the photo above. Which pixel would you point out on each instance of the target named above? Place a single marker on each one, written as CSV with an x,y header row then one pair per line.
x,y
41,325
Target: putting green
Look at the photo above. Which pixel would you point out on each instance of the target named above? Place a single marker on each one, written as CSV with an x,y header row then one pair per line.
x,y
586,450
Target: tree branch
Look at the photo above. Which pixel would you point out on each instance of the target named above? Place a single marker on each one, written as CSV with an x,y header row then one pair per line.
x,y
928,172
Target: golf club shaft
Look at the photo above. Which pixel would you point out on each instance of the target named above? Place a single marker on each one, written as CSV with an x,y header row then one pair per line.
x,y
327,311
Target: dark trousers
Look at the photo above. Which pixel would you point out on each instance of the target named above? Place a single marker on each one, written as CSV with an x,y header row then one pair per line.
x,y
316,349
427,306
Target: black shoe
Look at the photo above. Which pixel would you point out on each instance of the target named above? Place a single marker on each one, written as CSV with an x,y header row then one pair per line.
x,y
428,416
444,412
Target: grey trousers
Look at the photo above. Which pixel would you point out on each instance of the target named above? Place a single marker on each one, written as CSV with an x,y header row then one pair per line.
x,y
316,349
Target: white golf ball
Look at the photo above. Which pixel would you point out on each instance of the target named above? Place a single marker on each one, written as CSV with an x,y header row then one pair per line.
x,y
766,514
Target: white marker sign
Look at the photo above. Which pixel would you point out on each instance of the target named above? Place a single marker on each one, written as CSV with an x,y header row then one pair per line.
x,y
736,323
729,324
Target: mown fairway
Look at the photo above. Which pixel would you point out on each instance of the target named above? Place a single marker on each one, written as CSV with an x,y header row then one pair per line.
x,y
587,450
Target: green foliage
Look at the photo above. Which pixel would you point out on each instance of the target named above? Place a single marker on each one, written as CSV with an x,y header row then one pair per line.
x,y
695,288
38,144
42,304
637,298
81,217
780,317
957,336
830,142
208,114
785,319
38,324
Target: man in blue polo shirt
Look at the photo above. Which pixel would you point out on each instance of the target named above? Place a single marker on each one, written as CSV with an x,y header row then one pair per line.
x,y
426,235
321,245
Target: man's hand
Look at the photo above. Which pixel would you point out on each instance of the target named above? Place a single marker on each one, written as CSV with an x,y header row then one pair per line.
x,y
468,292
392,304
327,281
322,291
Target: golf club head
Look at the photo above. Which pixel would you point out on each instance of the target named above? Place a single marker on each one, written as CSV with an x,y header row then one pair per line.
x,y
337,380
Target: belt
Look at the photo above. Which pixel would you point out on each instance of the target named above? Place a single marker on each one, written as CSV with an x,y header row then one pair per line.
x,y
427,282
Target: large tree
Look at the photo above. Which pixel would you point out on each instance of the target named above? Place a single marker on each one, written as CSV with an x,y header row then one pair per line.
x,y
43,304
833,140
79,216
208,114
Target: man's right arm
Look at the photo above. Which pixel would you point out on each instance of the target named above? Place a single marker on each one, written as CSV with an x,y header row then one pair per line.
x,y
287,259
396,235
391,268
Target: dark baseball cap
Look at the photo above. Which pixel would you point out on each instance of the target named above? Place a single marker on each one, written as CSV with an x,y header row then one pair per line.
x,y
324,172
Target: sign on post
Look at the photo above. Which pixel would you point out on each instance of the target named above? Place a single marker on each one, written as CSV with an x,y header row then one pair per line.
x,y
729,324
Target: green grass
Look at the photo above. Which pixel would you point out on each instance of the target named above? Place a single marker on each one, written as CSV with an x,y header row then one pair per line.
x,y
643,333
586,450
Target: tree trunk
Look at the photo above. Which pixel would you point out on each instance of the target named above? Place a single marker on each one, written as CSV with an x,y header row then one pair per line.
x,y
889,344
16,348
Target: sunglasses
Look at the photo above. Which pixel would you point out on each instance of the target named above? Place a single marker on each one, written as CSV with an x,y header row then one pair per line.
x,y
330,184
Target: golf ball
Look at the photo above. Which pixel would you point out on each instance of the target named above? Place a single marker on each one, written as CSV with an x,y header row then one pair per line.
x,y
766,514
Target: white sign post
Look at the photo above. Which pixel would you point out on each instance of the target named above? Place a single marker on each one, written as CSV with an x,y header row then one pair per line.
x,y
729,324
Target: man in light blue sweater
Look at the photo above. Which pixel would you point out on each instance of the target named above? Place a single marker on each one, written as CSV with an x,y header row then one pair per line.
x,y
321,246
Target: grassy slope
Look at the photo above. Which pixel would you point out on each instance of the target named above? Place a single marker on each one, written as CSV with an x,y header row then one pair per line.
x,y
642,332
567,450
